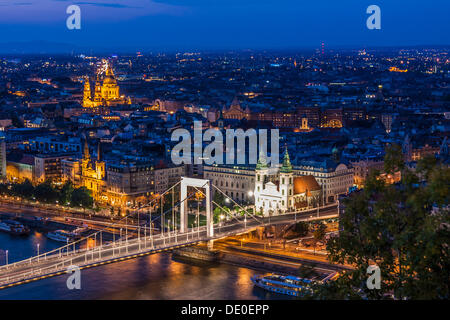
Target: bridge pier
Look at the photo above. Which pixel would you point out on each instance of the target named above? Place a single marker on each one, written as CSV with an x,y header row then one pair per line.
x,y
210,245
199,183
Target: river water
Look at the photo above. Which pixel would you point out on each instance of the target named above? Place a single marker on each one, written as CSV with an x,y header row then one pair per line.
x,y
155,276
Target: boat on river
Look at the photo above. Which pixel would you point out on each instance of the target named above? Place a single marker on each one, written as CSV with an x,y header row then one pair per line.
x,y
14,227
288,285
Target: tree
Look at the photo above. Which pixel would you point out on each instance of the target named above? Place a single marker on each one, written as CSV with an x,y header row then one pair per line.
x,y
216,214
65,193
45,192
24,189
319,234
401,228
301,228
81,197
393,159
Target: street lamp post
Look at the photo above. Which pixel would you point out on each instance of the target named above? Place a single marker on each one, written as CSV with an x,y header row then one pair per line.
x,y
198,218
245,220
6,258
38,251
169,230
151,232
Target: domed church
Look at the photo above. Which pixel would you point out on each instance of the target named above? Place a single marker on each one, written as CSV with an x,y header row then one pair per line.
x,y
106,91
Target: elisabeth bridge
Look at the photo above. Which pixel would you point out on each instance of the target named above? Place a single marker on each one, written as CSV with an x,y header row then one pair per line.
x,y
143,238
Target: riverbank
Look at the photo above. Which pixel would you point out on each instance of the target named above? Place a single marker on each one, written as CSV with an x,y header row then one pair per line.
x,y
261,261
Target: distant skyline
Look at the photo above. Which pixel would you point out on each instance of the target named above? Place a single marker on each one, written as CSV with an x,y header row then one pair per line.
x,y
34,26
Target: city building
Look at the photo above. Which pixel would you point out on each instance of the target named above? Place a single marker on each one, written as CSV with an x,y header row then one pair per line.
x,y
106,91
281,192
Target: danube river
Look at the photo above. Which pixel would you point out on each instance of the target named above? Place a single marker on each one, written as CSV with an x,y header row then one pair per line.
x,y
151,277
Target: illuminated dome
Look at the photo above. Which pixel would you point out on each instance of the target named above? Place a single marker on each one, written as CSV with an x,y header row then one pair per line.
x,y
109,80
109,76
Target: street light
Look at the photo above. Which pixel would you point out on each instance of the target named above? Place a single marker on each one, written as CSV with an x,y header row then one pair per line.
x,y
38,251
6,257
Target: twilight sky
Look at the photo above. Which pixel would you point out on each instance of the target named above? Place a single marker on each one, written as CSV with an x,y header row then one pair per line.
x,y
161,25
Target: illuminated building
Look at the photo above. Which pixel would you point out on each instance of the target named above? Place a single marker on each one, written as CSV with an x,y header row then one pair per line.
x,y
2,159
283,192
235,111
332,118
87,172
93,173
106,91
395,69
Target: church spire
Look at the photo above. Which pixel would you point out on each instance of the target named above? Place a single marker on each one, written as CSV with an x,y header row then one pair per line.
x,y
109,71
99,151
287,167
87,88
86,154
262,161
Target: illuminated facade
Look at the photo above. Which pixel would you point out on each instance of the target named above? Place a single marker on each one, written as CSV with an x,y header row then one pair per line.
x,y
93,173
106,91
284,192
86,172
235,111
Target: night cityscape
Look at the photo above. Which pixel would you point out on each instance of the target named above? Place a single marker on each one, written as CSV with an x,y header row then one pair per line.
x,y
209,167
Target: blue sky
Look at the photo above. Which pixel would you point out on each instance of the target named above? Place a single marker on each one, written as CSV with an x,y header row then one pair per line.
x,y
226,24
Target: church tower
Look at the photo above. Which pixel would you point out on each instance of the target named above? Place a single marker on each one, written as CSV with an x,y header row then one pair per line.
x,y
305,123
87,94
98,92
286,182
261,173
85,162
100,166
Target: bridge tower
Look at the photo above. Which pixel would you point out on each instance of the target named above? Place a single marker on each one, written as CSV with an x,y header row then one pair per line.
x,y
199,183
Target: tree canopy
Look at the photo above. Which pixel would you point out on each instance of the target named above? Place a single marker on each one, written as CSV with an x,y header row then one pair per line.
x,y
402,228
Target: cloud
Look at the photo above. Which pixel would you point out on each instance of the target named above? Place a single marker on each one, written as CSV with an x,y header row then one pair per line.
x,y
111,11
107,5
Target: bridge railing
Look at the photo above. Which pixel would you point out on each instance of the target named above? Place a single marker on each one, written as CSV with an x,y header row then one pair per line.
x,y
97,254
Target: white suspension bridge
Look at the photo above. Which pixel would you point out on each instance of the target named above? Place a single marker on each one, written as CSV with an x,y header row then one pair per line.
x,y
143,238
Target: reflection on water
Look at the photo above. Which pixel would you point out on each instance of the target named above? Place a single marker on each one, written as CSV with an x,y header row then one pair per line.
x,y
22,247
155,276
152,277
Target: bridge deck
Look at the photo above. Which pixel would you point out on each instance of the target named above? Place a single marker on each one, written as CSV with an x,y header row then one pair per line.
x,y
36,268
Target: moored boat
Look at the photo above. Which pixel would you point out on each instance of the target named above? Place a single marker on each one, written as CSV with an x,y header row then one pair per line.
x,y
60,235
77,233
288,285
14,227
